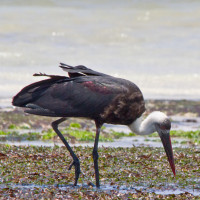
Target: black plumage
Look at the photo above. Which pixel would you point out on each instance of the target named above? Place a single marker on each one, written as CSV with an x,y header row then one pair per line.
x,y
84,93
87,94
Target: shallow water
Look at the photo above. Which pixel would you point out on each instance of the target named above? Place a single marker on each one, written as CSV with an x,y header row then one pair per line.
x,y
152,43
122,142
178,123
164,190
185,123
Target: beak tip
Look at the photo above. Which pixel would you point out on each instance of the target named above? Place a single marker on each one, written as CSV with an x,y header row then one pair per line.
x,y
165,138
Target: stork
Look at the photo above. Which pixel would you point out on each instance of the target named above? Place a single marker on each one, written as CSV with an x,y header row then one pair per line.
x,y
100,97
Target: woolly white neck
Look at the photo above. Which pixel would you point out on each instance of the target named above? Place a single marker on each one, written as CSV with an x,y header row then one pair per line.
x,y
147,126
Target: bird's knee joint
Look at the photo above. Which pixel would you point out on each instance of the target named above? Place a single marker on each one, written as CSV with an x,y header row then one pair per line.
x,y
54,125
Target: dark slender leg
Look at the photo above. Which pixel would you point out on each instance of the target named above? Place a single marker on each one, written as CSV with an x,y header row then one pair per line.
x,y
75,162
95,154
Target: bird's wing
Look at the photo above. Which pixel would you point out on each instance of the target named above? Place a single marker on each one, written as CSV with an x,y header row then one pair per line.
x,y
57,77
83,96
110,99
33,91
80,70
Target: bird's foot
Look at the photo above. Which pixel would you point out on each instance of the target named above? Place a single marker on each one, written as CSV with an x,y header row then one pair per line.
x,y
76,164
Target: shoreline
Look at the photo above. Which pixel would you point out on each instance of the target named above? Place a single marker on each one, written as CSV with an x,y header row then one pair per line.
x,y
184,114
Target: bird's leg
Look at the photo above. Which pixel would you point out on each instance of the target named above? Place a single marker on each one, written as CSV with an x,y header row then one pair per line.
x,y
76,162
95,154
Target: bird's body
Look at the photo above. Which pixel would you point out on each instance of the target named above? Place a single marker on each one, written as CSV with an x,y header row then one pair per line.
x,y
89,94
103,98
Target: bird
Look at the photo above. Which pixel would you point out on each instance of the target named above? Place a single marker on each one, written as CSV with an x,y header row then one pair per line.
x,y
97,96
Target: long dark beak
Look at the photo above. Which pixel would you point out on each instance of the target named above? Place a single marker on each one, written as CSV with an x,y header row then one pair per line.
x,y
165,138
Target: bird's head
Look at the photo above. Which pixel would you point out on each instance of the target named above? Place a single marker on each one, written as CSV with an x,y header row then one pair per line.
x,y
156,122
162,126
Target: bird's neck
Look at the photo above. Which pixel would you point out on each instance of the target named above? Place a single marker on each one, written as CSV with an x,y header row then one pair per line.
x,y
143,127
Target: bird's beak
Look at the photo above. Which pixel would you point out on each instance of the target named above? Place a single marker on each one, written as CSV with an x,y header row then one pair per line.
x,y
165,138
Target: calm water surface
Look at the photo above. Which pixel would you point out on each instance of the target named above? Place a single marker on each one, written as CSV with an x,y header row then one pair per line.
x,y
155,44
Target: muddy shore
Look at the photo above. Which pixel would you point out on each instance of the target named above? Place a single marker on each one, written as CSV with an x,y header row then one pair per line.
x,y
10,115
132,165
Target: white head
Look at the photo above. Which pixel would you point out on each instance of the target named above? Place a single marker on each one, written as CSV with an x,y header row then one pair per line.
x,y
160,121
156,122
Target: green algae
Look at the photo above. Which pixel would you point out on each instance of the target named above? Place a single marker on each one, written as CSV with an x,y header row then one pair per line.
x,y
75,131
141,166
5,132
192,136
81,135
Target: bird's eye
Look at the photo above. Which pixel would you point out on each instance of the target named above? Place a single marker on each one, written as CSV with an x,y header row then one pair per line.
x,y
163,127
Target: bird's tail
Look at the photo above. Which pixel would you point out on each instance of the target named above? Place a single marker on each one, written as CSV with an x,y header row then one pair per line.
x,y
32,92
80,70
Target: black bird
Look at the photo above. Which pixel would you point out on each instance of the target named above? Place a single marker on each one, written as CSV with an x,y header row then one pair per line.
x,y
97,96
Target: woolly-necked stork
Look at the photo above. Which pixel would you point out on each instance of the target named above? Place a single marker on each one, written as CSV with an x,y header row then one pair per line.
x,y
97,96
